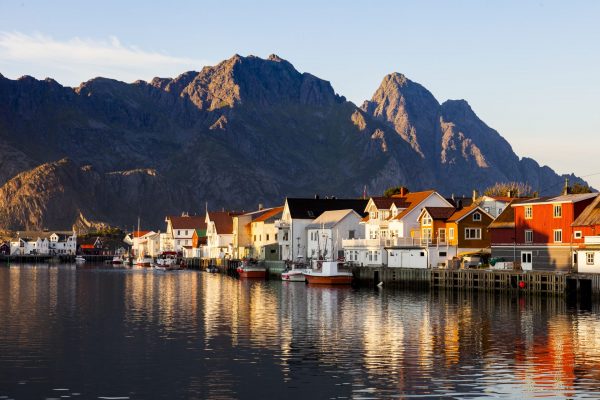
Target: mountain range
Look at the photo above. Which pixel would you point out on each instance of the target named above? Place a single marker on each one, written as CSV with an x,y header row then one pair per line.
x,y
246,131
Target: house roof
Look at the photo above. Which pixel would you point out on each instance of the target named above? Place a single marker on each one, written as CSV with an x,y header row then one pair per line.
x,y
460,202
331,218
271,213
30,235
384,202
200,232
311,208
137,234
565,198
506,219
590,216
504,199
223,221
442,213
87,246
187,222
410,201
463,212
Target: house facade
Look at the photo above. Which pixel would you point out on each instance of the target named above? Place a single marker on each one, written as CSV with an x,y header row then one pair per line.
x,y
586,236
392,228
326,232
180,230
298,213
263,234
494,205
219,233
44,243
543,235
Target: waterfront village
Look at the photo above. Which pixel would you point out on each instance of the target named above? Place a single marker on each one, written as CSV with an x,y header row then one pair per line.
x,y
406,230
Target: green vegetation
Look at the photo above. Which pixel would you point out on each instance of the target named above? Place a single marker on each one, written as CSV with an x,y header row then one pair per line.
x,y
509,189
389,192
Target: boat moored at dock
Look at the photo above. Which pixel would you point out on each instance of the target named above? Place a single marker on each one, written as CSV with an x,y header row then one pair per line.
x,y
251,269
328,273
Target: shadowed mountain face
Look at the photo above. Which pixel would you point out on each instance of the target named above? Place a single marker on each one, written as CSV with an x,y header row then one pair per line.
x,y
243,132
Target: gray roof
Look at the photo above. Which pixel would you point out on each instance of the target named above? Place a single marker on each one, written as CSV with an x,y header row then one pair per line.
x,y
565,198
330,219
32,235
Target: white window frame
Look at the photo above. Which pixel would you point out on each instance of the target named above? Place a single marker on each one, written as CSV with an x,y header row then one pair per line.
x,y
450,233
477,215
559,233
557,211
528,232
477,235
445,238
528,212
427,220
577,234
589,258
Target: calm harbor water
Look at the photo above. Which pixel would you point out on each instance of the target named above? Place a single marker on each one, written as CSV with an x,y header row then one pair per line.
x,y
97,332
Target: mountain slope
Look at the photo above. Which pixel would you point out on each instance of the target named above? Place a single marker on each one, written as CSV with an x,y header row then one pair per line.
x,y
243,132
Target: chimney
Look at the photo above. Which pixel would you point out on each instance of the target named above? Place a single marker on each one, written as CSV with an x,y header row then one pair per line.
x,y
475,195
260,206
317,196
509,193
403,191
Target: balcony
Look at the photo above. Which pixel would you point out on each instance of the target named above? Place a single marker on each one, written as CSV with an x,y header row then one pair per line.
x,y
393,242
592,240
280,224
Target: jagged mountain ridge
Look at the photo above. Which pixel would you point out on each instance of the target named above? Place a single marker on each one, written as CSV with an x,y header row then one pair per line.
x,y
245,131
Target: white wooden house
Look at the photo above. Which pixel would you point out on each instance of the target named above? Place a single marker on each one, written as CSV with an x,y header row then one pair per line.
x,y
326,232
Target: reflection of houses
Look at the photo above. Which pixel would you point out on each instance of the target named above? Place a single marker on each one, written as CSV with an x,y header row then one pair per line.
x,y
298,213
392,227
44,243
326,232
543,232
586,235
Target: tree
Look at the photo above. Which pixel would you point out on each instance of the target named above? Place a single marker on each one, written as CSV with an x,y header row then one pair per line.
x,y
509,189
578,188
389,192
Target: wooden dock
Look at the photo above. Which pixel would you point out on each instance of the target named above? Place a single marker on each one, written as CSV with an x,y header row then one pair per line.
x,y
541,282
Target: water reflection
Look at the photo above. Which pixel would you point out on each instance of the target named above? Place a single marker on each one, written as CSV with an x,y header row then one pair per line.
x,y
146,334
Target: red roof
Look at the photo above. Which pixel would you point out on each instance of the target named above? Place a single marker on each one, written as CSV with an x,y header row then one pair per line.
x,y
137,234
223,221
87,246
268,214
410,201
194,222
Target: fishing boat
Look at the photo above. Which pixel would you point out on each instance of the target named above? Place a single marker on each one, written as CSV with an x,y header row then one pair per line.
x,y
251,269
166,262
328,273
117,260
79,260
294,272
144,261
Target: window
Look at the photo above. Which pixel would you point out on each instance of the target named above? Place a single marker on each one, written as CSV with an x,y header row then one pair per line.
x,y
350,234
384,233
477,217
486,209
427,234
422,254
558,236
528,236
178,232
528,212
260,238
370,255
589,258
375,254
427,220
267,237
577,235
442,254
451,233
178,241
442,235
472,233
499,210
275,236
526,257
557,211
255,238
186,232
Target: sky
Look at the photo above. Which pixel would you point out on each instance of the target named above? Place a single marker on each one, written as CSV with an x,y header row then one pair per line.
x,y
529,69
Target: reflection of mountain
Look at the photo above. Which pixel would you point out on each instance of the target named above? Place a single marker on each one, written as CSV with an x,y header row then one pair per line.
x,y
243,132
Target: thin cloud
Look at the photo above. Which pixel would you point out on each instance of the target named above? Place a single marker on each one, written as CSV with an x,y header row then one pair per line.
x,y
78,59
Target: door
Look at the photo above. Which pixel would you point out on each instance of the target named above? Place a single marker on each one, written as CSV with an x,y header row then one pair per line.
x,y
526,260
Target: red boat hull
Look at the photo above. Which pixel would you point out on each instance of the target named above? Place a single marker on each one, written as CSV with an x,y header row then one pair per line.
x,y
328,280
252,273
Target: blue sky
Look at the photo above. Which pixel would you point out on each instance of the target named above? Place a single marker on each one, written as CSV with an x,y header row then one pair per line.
x,y
529,69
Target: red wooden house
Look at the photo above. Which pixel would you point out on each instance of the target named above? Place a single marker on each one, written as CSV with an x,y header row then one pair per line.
x,y
541,236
